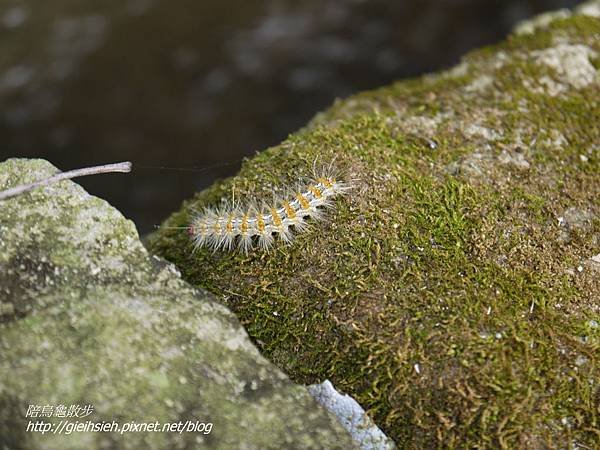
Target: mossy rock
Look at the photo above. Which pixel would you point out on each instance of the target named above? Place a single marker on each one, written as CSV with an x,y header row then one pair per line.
x,y
88,318
455,293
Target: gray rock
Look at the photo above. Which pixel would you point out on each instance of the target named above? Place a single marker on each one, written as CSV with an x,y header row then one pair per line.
x,y
540,21
590,8
574,220
515,159
352,416
572,64
88,318
578,219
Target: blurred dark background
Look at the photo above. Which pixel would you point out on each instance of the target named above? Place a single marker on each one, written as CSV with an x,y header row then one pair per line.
x,y
197,83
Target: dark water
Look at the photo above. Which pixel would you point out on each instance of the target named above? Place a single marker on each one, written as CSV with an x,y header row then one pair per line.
x,y
198,83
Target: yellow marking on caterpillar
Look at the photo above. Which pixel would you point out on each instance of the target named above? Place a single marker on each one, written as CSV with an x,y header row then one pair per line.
x,y
325,182
260,223
276,218
315,191
303,201
244,225
230,224
289,211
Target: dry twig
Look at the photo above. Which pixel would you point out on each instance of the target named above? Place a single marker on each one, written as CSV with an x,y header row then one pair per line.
x,y
107,168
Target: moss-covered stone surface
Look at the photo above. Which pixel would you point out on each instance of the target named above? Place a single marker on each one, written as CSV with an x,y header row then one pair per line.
x,y
88,318
456,292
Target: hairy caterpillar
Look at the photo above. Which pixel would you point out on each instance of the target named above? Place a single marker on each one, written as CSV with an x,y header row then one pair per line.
x,y
229,226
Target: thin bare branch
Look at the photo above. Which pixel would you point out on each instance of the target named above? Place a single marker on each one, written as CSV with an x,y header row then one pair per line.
x,y
107,168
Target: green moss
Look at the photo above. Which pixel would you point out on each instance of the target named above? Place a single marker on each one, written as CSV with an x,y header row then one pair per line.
x,y
445,303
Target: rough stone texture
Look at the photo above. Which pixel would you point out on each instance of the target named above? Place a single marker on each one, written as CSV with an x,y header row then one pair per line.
x,y
87,317
454,293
